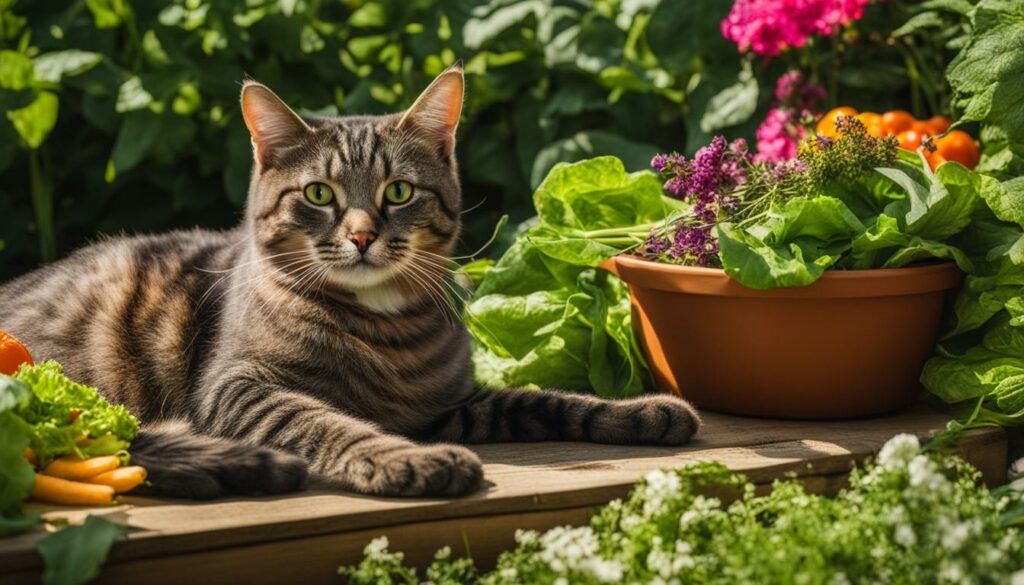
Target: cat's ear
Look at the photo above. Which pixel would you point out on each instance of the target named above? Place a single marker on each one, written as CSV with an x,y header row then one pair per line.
x,y
435,114
272,124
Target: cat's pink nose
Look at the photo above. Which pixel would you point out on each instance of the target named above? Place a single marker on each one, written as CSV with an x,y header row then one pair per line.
x,y
362,240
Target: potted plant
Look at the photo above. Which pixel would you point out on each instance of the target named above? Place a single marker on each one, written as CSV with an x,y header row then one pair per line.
x,y
809,288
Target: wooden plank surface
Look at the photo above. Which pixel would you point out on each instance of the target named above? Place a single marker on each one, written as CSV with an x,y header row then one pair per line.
x,y
537,485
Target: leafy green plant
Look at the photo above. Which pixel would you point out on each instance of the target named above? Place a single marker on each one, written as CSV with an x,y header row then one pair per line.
x,y
979,362
543,315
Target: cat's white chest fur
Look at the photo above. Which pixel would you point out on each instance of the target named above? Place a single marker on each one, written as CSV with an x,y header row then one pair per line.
x,y
383,298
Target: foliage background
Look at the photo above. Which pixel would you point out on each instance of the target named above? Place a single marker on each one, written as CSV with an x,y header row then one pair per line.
x,y
122,116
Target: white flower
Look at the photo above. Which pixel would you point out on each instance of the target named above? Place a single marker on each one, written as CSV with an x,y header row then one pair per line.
x,y
659,488
951,572
955,536
376,547
525,536
926,475
509,573
443,554
1017,578
840,578
898,450
905,535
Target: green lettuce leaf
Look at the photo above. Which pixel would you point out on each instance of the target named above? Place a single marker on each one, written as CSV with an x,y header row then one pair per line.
x,y
793,247
50,411
543,315
74,555
16,476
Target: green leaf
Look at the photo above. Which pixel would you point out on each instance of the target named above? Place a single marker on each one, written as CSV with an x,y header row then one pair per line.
x,y
731,106
792,247
589,144
52,67
74,555
132,96
975,374
680,32
1005,199
107,13
987,76
16,70
496,17
35,121
919,22
135,137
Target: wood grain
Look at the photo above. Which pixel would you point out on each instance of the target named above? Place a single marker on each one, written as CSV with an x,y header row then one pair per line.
x,y
542,483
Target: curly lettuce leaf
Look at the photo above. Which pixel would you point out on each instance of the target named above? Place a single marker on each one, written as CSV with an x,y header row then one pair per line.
x,y
49,414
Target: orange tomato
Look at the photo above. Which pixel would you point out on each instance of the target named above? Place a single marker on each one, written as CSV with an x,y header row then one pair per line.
x,y
909,139
896,121
871,121
827,124
923,129
939,124
960,147
12,354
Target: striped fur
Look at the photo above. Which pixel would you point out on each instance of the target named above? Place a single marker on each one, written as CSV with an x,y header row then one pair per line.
x,y
257,354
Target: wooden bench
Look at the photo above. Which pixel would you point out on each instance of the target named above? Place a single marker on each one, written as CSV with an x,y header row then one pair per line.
x,y
303,538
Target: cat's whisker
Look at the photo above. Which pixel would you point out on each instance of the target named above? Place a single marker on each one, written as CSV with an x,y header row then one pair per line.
x,y
452,313
437,296
404,271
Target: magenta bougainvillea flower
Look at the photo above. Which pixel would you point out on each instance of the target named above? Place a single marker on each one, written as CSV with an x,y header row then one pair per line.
x,y
796,101
768,27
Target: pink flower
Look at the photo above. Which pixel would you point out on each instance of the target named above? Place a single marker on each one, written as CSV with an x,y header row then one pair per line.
x,y
768,27
779,135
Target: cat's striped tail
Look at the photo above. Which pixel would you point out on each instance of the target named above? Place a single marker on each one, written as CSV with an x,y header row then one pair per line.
x,y
183,464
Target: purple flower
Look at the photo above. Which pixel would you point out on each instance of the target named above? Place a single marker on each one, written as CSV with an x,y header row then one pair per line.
x,y
658,162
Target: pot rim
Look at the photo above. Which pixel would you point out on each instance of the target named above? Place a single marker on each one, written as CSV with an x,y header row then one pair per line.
x,y
879,282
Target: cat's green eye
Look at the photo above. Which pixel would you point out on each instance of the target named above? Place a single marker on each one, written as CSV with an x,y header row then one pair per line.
x,y
319,194
398,192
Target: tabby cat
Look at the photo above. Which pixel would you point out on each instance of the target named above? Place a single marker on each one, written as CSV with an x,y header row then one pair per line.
x,y
314,338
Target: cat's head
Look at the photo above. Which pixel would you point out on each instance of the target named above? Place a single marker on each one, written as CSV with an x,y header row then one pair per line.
x,y
359,203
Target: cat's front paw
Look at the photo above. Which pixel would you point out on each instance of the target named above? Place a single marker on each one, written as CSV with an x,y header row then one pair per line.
x,y
428,470
660,419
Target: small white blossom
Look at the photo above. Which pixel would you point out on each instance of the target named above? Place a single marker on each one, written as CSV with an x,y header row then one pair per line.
x,y
905,536
898,451
1017,578
376,547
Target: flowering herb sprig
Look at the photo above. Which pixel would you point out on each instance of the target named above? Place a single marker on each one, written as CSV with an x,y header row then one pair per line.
x,y
723,182
707,182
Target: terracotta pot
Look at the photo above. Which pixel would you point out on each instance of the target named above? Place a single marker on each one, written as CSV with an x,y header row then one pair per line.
x,y
852,344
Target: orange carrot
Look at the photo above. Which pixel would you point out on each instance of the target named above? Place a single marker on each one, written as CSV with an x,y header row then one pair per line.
x,y
122,479
55,490
79,469
30,455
